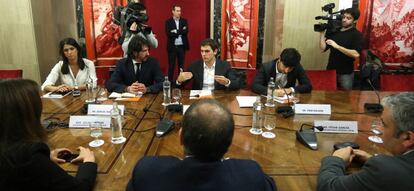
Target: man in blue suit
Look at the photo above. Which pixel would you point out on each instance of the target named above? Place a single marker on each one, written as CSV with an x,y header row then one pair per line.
x,y
176,29
206,133
380,172
138,72
209,73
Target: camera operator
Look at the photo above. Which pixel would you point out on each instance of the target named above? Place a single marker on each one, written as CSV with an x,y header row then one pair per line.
x,y
345,46
135,25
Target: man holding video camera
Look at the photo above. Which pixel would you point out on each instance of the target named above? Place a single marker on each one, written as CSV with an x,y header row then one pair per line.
x,y
345,46
134,24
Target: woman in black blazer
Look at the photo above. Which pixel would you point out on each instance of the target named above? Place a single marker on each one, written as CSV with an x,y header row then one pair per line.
x,y
26,163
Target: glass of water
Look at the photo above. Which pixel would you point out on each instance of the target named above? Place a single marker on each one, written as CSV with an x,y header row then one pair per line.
x,y
376,126
176,95
96,132
269,124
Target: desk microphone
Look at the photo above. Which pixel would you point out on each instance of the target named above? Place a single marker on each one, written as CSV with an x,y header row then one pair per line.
x,y
163,126
285,110
374,107
308,136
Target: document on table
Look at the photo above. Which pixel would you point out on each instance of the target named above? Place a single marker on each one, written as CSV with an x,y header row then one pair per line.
x,y
246,101
195,94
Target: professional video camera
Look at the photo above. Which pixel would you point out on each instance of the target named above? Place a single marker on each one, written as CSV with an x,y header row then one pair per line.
x,y
334,19
125,16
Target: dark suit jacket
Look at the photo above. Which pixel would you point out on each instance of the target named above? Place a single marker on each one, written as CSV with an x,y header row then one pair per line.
x,y
124,75
170,25
222,68
170,173
378,173
269,70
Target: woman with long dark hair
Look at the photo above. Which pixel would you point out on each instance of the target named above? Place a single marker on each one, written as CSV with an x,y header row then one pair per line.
x,y
73,70
26,163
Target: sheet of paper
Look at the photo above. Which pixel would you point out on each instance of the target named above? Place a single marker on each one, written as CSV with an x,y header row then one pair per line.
x,y
246,101
195,94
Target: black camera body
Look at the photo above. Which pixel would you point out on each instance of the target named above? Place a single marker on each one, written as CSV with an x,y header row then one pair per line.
x,y
334,20
125,16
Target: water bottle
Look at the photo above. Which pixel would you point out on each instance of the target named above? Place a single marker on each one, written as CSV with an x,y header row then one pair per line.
x,y
270,93
257,117
89,90
116,125
167,91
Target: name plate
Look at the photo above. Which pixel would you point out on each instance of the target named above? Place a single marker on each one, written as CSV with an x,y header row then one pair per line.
x,y
103,109
83,121
337,126
318,109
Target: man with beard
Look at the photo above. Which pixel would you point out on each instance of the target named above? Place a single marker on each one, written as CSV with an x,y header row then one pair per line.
x,y
137,72
345,46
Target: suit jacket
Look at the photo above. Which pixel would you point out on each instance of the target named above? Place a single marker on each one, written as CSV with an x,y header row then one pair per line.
x,y
378,173
170,25
124,75
171,173
269,70
222,68
28,167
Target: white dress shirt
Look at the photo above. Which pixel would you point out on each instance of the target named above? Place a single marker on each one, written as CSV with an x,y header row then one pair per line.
x,y
69,79
208,76
178,40
281,79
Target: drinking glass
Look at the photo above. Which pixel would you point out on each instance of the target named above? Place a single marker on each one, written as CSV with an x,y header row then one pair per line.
x,y
96,132
269,124
176,95
376,124
91,90
102,94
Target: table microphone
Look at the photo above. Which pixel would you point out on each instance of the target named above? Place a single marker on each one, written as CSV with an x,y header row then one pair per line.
x,y
163,126
308,136
374,107
285,110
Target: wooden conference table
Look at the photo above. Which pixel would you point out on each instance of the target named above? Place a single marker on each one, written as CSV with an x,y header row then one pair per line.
x,y
291,164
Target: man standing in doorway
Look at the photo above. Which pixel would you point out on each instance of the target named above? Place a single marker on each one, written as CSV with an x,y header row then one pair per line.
x,y
176,29
345,46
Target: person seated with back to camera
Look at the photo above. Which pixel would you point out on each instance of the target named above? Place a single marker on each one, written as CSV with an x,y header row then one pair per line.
x,y
73,70
209,73
206,134
285,70
26,163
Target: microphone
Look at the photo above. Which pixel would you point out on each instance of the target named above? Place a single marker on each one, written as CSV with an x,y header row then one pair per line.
x,y
164,125
308,136
285,110
374,107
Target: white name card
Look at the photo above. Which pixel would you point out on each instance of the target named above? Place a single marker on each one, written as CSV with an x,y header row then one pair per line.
x,y
337,126
103,109
319,109
83,121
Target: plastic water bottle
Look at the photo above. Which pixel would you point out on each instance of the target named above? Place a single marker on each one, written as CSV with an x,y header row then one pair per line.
x,y
257,117
270,93
167,91
116,125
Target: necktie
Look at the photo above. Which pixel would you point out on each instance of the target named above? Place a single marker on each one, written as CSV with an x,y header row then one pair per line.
x,y
137,73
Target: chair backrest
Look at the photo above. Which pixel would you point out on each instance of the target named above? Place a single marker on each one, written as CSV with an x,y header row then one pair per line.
x,y
102,73
322,79
11,74
397,82
250,75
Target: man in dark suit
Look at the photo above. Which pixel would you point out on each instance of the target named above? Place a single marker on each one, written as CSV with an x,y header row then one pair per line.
x,y
177,41
209,73
285,71
206,136
137,72
380,172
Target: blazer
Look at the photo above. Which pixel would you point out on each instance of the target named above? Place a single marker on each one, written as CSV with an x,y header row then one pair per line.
x,y
29,167
379,173
170,25
269,70
171,173
124,75
222,68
